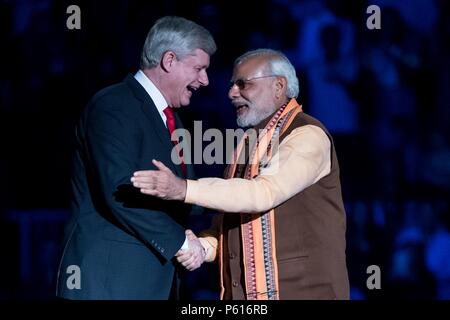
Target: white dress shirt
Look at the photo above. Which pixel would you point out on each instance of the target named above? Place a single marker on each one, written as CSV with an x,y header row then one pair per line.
x,y
154,93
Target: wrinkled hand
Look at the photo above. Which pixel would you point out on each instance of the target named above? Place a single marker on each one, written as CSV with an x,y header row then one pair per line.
x,y
160,183
193,257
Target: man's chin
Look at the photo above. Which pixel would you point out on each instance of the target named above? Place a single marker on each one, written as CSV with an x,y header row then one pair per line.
x,y
185,103
242,123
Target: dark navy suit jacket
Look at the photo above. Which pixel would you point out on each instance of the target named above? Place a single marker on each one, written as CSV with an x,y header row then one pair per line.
x,y
119,243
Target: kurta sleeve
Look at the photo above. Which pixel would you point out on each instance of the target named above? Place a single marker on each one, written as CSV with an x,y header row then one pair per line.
x,y
303,158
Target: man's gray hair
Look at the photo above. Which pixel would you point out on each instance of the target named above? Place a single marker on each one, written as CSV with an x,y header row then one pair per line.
x,y
175,34
278,65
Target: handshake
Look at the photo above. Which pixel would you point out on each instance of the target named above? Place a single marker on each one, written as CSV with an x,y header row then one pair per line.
x,y
197,252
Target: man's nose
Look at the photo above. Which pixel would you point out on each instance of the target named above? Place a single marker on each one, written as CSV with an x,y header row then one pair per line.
x,y
203,79
234,91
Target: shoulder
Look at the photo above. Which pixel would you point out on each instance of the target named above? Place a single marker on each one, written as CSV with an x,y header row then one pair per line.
x,y
117,98
308,132
114,95
115,104
303,119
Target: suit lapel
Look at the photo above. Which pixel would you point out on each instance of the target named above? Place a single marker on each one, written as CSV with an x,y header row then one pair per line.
x,y
155,121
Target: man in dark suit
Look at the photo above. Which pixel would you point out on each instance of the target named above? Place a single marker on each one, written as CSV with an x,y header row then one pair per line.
x,y
118,243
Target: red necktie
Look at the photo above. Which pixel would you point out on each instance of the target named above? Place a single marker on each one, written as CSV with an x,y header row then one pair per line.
x,y
171,126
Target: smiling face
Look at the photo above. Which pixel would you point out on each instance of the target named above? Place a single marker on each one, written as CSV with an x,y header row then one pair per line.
x,y
186,75
255,92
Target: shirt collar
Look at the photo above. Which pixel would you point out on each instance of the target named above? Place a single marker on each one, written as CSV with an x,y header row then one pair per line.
x,y
154,93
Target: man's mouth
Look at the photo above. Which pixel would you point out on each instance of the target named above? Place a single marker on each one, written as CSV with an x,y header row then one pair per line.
x,y
191,89
240,108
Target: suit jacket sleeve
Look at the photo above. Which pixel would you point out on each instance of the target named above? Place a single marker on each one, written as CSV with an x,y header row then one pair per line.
x,y
112,141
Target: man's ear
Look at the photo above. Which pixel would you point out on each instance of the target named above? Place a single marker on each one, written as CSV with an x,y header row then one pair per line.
x,y
280,87
168,59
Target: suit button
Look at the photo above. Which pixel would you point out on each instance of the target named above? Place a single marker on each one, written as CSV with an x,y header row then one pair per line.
x,y
162,250
235,283
232,255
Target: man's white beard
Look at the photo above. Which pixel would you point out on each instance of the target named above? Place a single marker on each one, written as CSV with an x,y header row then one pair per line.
x,y
252,118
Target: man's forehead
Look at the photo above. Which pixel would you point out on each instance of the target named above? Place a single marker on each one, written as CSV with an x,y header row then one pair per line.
x,y
199,56
252,67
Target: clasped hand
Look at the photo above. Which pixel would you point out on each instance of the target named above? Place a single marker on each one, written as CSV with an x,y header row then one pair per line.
x,y
161,183
194,256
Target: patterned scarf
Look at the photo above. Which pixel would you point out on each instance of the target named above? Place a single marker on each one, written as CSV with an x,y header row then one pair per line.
x,y
258,229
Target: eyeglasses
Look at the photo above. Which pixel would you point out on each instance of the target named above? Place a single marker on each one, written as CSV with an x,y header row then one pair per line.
x,y
242,83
